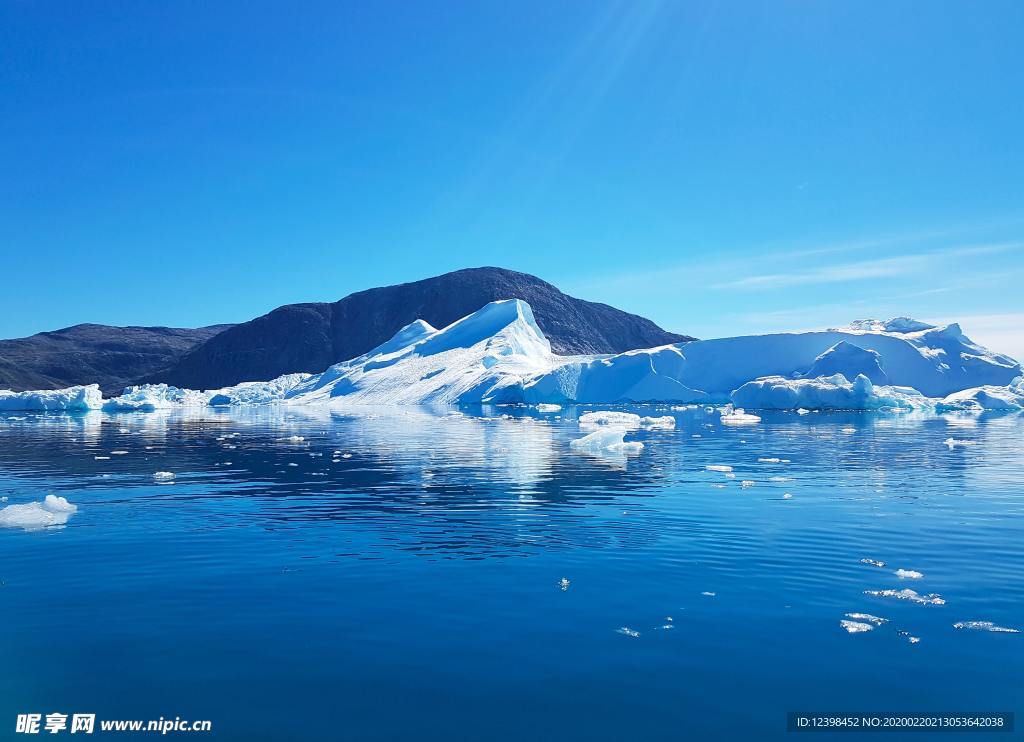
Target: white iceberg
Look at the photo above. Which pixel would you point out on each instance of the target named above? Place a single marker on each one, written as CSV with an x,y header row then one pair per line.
x,y
825,393
32,516
609,438
72,399
499,355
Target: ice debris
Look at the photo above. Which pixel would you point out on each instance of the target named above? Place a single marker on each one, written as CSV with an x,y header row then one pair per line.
x,y
32,516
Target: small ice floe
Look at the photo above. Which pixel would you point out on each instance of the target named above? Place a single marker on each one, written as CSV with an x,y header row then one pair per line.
x,y
780,479
346,456
975,625
564,584
848,430
909,574
747,483
730,475
787,496
695,435
102,458
123,431
907,594
802,411
718,486
739,416
315,455
658,423
908,636
295,439
718,467
707,594
855,627
118,453
872,562
954,442
545,407
769,460
163,476
53,511
626,631
292,464
606,439
667,626
3,499
609,417
867,618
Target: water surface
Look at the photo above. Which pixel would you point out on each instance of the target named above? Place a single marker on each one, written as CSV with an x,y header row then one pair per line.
x,y
397,574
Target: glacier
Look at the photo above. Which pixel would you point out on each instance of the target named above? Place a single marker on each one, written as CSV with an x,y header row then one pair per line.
x,y
499,355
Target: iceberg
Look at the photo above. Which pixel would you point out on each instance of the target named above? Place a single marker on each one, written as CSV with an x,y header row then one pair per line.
x,y
825,393
982,398
153,397
32,516
608,438
257,392
72,399
499,355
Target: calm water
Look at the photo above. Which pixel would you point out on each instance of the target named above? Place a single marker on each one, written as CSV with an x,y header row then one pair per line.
x,y
407,586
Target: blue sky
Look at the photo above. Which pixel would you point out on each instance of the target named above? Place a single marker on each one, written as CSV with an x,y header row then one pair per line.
x,y
719,167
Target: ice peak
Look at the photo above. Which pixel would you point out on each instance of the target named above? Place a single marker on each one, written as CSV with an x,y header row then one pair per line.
x,y
507,321
896,324
411,334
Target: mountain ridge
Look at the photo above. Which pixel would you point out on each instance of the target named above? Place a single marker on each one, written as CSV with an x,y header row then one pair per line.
x,y
310,337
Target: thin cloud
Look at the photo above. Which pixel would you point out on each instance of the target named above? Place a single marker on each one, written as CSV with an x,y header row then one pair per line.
x,y
894,267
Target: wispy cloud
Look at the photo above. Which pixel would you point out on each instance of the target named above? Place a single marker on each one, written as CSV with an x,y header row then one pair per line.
x,y
892,267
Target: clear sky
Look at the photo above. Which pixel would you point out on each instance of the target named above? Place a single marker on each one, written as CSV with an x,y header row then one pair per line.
x,y
721,167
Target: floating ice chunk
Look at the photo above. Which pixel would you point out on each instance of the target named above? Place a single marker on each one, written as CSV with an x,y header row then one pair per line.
x,y
707,594
848,430
295,439
102,458
769,460
545,407
953,443
607,439
32,516
907,635
626,420
872,562
75,398
626,631
747,483
979,626
910,595
563,584
855,627
118,453
739,417
780,479
909,574
979,399
164,476
787,496
834,392
660,423
718,467
802,411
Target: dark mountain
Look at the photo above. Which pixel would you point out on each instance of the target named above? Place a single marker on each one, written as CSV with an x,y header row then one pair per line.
x,y
311,337
85,354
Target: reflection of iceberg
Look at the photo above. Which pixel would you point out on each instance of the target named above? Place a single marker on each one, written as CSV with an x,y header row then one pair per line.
x,y
499,355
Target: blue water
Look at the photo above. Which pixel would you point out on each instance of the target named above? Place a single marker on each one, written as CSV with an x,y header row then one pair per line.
x,y
407,587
